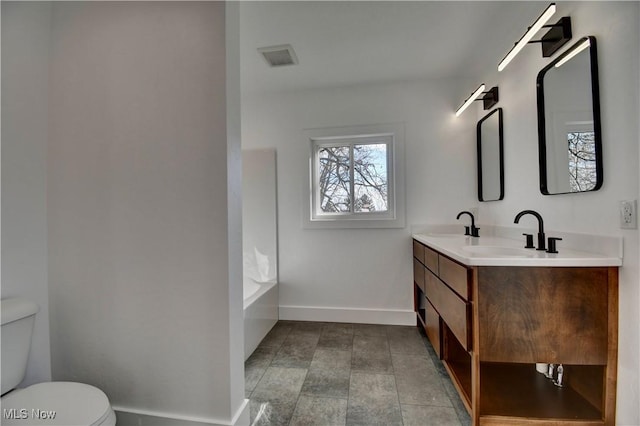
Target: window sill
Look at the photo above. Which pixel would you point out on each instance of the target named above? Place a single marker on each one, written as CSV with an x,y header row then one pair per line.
x,y
353,223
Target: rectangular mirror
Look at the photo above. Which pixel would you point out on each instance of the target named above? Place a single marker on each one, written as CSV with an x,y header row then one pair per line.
x,y
490,161
569,135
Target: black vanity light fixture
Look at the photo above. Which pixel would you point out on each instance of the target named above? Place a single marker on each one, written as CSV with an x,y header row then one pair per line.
x,y
573,52
489,99
554,39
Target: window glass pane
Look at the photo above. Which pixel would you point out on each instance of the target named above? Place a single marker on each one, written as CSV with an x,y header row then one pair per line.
x,y
334,182
582,161
370,178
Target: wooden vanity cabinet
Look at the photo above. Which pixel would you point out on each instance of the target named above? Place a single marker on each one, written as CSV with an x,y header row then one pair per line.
x,y
491,324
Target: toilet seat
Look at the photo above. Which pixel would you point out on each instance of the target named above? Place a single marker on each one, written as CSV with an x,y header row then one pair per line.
x,y
74,404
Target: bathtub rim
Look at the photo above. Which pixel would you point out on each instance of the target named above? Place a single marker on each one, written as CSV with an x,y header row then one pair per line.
x,y
263,288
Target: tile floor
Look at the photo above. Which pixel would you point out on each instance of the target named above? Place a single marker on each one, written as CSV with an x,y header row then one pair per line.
x,y
330,374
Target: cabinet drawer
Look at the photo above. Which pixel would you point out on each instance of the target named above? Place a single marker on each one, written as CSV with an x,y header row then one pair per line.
x,y
455,275
452,309
431,259
432,326
418,274
418,251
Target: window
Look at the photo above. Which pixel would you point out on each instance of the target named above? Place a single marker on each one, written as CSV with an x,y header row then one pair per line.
x,y
353,177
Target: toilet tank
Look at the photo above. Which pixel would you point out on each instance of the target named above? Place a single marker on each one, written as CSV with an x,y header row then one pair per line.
x,y
18,316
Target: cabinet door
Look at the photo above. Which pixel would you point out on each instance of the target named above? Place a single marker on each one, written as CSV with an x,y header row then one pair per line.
x,y
452,309
418,251
553,315
431,260
455,275
418,274
432,327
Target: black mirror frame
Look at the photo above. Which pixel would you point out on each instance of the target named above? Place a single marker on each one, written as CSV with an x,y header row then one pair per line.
x,y
479,153
595,96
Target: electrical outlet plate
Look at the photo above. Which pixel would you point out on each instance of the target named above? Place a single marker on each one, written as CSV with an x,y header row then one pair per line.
x,y
628,214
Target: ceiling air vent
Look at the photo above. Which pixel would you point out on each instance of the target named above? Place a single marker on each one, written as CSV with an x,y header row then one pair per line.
x,y
277,56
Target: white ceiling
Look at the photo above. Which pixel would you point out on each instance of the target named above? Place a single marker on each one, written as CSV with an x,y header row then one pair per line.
x,y
352,42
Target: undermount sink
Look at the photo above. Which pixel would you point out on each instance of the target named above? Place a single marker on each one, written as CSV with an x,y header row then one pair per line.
x,y
498,251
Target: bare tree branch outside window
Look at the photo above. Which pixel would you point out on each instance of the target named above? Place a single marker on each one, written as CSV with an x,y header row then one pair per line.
x,y
335,179
353,178
582,161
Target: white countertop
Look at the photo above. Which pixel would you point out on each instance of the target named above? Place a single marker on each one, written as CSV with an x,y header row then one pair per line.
x,y
509,252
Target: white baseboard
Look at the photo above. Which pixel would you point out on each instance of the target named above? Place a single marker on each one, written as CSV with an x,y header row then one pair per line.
x,y
135,417
353,315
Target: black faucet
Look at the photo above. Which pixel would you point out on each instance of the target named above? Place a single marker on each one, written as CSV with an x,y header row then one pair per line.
x,y
474,230
541,242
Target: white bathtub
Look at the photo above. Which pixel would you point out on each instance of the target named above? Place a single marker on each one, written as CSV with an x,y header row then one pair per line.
x,y
260,312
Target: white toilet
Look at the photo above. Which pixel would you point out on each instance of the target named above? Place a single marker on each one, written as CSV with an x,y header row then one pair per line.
x,y
49,403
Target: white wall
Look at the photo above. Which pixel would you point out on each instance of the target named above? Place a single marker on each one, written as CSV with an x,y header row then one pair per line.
x,y
362,274
25,47
144,207
615,26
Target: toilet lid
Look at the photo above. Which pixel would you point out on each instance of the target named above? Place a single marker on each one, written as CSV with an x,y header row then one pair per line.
x,y
56,403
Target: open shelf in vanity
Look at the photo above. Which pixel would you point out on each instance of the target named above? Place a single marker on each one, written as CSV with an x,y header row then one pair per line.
x,y
490,324
518,390
457,361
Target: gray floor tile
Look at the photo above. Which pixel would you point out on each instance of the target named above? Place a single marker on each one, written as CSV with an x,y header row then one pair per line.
x,y
277,335
261,356
457,403
420,415
274,398
296,352
402,330
309,325
307,373
421,389
407,342
279,381
370,343
436,361
378,362
413,363
375,386
369,330
373,400
306,329
264,412
314,411
327,383
336,340
338,328
256,365
464,417
302,337
331,359
418,380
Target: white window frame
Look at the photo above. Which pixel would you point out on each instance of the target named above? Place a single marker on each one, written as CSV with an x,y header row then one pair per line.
x,y
390,134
